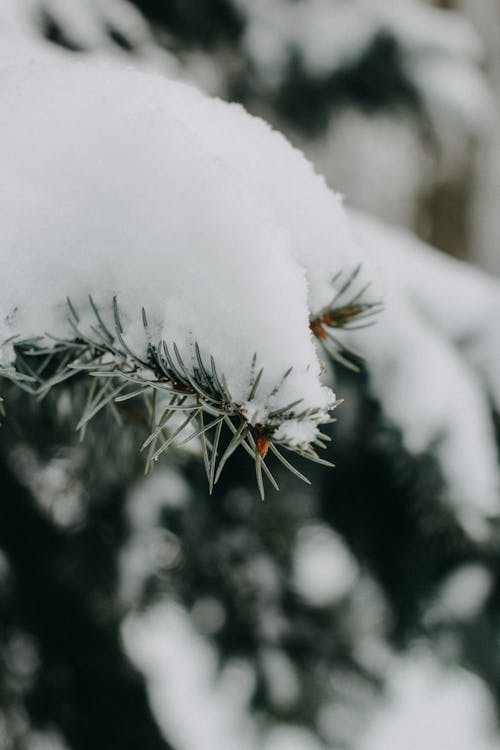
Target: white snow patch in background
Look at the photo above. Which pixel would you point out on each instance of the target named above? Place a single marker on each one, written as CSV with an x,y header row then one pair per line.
x,y
195,706
87,26
288,737
56,485
380,144
457,300
461,109
282,680
441,54
150,546
462,596
439,313
324,571
326,34
20,40
164,488
434,707
422,28
183,681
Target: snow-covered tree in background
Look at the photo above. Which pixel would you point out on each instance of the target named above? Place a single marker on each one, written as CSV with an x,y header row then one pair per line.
x,y
305,630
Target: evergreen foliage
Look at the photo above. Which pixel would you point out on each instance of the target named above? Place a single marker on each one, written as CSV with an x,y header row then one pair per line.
x,y
63,664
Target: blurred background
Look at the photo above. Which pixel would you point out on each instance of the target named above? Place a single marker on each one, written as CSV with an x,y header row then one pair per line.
x,y
362,613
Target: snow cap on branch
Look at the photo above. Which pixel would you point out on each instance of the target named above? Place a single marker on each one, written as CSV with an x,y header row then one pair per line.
x,y
127,185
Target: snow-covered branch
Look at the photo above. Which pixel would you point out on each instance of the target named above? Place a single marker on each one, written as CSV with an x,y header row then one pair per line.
x,y
214,236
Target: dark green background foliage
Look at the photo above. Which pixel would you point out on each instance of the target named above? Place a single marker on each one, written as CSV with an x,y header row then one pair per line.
x,y
61,587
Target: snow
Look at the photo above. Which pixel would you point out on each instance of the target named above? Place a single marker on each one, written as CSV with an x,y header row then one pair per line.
x,y
164,646
143,188
332,33
149,546
289,737
312,216
87,25
282,680
485,219
460,302
85,21
435,395
19,38
432,706
53,485
357,148
248,273
428,30
434,363
430,357
441,51
461,110
462,596
468,97
329,34
324,570
441,55
326,34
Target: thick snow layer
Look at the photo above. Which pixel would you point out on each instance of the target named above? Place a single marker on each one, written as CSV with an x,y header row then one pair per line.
x,y
127,184
317,231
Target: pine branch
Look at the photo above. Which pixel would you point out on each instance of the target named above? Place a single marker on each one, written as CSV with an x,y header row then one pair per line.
x,y
166,386
346,311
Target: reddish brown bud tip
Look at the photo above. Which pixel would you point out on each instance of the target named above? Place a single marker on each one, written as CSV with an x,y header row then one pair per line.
x,y
262,446
318,330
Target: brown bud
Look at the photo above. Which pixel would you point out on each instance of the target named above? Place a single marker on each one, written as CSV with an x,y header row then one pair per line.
x,y
318,330
263,446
